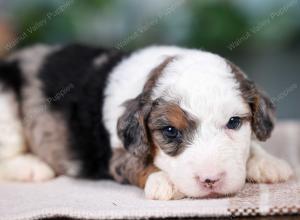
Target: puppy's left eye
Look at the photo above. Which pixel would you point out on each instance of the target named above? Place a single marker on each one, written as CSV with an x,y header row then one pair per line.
x,y
170,132
234,123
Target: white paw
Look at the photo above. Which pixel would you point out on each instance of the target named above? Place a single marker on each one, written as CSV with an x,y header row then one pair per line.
x,y
268,169
159,187
25,168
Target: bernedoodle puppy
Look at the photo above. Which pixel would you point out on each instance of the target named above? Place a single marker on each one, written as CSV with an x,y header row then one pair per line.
x,y
176,122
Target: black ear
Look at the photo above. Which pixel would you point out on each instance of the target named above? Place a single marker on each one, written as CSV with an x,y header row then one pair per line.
x,y
132,128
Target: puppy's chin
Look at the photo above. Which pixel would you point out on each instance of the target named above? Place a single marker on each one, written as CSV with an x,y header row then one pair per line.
x,y
214,193
229,187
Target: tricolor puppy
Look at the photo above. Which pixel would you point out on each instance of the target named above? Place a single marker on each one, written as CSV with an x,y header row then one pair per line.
x,y
176,122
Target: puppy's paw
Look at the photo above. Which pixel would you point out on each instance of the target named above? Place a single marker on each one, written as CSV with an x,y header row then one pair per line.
x,y
268,169
159,187
26,168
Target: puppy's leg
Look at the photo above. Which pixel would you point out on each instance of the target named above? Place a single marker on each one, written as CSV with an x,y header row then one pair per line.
x,y
265,168
160,187
11,131
126,168
25,167
14,164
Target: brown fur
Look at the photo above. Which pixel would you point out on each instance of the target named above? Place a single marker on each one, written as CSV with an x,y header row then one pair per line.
x,y
132,128
136,164
262,120
177,117
155,74
126,168
165,114
145,173
140,127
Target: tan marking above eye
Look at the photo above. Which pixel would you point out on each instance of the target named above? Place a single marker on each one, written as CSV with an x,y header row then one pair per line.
x,y
166,114
169,114
177,117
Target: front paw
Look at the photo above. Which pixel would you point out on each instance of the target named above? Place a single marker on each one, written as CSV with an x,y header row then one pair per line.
x,y
159,187
26,168
268,169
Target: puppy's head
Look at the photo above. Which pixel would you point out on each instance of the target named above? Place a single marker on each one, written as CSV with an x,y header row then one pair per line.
x,y
196,117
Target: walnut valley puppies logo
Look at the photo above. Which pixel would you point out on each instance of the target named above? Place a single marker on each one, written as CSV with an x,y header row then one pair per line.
x,y
39,24
44,107
284,93
262,24
60,94
147,26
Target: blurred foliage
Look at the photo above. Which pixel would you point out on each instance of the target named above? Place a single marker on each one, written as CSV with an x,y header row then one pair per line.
x,y
207,24
215,24
265,34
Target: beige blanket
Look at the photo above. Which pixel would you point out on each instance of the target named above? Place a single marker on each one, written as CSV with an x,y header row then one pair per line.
x,y
108,200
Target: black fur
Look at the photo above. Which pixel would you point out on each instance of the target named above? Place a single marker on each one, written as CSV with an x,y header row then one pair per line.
x,y
11,77
72,67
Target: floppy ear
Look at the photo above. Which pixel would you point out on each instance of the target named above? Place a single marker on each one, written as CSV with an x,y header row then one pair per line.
x,y
132,125
132,129
263,110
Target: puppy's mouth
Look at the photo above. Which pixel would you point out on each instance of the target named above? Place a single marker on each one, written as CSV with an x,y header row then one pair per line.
x,y
215,195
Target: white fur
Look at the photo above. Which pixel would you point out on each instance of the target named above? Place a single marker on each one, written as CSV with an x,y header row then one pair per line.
x,y
160,187
11,132
265,168
204,86
14,163
126,82
38,120
25,167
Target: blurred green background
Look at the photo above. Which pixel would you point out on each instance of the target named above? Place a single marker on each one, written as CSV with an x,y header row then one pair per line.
x,y
262,37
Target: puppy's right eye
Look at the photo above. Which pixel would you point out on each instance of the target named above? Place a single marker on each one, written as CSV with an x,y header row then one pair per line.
x,y
234,123
170,132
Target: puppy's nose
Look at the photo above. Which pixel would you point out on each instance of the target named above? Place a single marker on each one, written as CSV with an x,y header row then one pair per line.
x,y
211,181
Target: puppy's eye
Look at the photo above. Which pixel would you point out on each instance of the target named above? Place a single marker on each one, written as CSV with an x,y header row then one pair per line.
x,y
234,123
170,132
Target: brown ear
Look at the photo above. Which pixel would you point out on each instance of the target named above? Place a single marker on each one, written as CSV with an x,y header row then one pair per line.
x,y
132,129
263,110
262,115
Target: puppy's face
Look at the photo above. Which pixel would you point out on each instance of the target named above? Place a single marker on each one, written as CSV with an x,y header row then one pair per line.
x,y
203,153
196,120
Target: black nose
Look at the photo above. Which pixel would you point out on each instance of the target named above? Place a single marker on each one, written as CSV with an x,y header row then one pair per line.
x,y
209,183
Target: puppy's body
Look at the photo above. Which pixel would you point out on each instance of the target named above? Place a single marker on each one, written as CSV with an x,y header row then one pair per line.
x,y
95,113
60,95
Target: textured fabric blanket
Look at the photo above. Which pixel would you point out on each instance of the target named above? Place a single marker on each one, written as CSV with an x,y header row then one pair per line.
x,y
82,199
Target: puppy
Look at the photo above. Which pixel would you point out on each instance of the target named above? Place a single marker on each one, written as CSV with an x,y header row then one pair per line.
x,y
176,122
